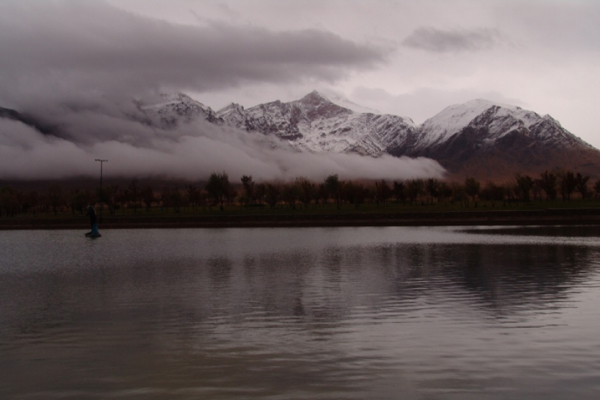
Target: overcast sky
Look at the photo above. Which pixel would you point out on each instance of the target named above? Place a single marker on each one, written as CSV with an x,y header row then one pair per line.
x,y
411,58
543,55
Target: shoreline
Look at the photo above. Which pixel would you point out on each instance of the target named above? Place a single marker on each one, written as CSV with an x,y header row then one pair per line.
x,y
451,218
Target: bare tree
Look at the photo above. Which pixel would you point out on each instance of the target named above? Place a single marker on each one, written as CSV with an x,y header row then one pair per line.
x,y
134,194
193,196
31,201
148,197
597,188
582,185
218,188
260,192
176,199
472,187
321,195
432,188
547,182
9,201
55,197
355,193
523,184
165,198
382,192
399,191
459,195
414,188
568,184
289,194
307,191
248,186
492,192
272,194
334,189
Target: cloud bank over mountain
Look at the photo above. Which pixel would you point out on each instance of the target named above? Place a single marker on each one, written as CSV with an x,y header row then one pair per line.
x,y
191,151
78,66
64,51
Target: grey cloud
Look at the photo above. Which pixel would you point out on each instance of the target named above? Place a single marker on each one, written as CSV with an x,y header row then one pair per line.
x,y
62,49
191,152
425,102
78,66
440,41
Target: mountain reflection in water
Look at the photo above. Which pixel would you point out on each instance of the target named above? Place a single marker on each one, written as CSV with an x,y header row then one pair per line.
x,y
300,313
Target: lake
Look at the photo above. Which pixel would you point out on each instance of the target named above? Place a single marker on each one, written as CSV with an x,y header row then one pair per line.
x,y
317,313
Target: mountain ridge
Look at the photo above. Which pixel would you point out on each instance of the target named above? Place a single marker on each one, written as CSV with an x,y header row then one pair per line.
x,y
478,138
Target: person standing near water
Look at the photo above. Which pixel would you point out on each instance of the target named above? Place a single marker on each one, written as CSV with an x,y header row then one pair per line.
x,y
91,212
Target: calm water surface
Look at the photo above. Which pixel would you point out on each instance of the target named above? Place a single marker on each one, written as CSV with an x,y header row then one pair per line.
x,y
319,313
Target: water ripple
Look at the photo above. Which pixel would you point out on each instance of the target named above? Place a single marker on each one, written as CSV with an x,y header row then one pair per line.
x,y
437,313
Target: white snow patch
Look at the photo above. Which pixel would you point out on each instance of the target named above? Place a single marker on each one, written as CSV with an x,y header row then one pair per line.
x,y
453,119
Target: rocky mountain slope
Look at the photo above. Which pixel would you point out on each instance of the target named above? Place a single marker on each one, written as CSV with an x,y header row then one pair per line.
x,y
489,140
478,138
317,124
169,110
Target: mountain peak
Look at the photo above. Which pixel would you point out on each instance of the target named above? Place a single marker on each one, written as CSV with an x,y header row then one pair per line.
x,y
315,105
495,121
314,97
452,119
230,107
232,114
162,100
166,110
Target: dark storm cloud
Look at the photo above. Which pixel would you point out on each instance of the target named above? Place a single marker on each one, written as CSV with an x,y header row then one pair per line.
x,y
439,41
57,48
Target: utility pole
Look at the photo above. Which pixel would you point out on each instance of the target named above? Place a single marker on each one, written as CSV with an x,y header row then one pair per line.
x,y
101,191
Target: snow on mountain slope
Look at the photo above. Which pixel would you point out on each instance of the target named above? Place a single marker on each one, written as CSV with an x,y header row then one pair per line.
x,y
366,134
499,120
494,141
233,115
317,124
167,110
450,121
478,138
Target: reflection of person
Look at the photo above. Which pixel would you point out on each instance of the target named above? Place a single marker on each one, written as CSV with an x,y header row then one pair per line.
x,y
91,212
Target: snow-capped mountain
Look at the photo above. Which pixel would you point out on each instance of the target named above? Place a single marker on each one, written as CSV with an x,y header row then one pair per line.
x,y
316,123
233,115
168,110
478,138
499,119
313,123
488,139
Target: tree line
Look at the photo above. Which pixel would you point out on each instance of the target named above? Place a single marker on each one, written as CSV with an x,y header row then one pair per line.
x,y
218,192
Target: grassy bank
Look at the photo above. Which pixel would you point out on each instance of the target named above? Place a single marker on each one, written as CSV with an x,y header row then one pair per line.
x,y
392,214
